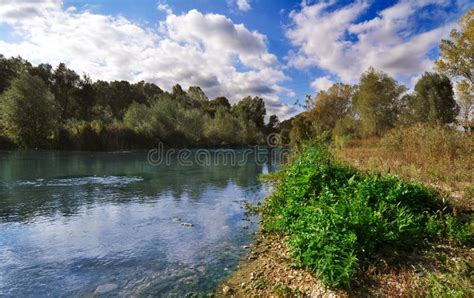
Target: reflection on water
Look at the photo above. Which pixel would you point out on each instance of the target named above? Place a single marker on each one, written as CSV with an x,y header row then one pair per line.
x,y
72,222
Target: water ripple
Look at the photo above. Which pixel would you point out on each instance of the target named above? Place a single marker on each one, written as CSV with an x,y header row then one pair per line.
x,y
80,181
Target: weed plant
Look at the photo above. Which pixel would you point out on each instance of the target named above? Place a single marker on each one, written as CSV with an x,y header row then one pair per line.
x,y
338,217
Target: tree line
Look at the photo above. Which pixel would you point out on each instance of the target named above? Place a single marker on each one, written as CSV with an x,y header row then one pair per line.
x,y
42,107
378,103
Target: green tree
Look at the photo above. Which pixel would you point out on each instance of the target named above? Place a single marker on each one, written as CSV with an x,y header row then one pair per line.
x,y
457,53
28,112
196,93
10,69
251,109
64,84
191,124
178,91
139,118
212,106
433,101
331,106
457,60
44,71
85,99
221,101
301,130
150,90
221,130
377,102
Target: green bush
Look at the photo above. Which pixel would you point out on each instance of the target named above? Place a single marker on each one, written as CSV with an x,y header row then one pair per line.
x,y
337,217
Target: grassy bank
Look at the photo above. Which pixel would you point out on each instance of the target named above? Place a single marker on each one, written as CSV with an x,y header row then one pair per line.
x,y
339,219
439,157
365,230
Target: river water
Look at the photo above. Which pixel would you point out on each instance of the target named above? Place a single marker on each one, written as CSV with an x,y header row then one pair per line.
x,y
75,223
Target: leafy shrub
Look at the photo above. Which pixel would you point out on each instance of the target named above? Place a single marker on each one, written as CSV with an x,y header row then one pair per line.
x,y
337,217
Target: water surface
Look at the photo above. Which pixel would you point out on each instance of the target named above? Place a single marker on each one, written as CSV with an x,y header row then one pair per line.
x,y
71,222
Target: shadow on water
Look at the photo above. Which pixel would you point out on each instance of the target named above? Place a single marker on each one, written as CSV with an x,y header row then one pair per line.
x,y
72,221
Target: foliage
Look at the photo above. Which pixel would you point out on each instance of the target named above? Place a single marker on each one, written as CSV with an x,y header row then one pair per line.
x,y
11,69
301,130
377,102
28,113
196,93
331,106
223,129
63,82
433,101
457,60
251,110
120,115
338,218
466,99
457,52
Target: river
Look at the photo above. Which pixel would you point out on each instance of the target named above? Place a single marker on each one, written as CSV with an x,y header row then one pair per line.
x,y
79,223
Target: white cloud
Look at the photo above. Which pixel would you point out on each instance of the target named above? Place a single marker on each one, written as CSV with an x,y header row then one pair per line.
x,y
243,5
332,38
208,50
164,7
322,83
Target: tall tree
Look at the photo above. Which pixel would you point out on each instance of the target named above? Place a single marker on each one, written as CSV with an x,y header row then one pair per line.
x,y
28,112
466,100
150,90
301,130
221,101
64,85
44,71
85,99
331,106
196,93
252,109
457,60
377,102
433,101
212,106
178,91
10,69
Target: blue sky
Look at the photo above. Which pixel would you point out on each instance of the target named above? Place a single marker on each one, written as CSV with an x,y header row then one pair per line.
x,y
280,50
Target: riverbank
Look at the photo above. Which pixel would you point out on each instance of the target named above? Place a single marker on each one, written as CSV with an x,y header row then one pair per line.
x,y
267,270
428,265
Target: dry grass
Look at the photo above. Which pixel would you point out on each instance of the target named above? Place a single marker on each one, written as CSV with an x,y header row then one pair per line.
x,y
444,159
440,157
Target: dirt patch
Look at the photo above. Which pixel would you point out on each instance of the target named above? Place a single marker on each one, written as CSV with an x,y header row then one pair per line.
x,y
268,272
